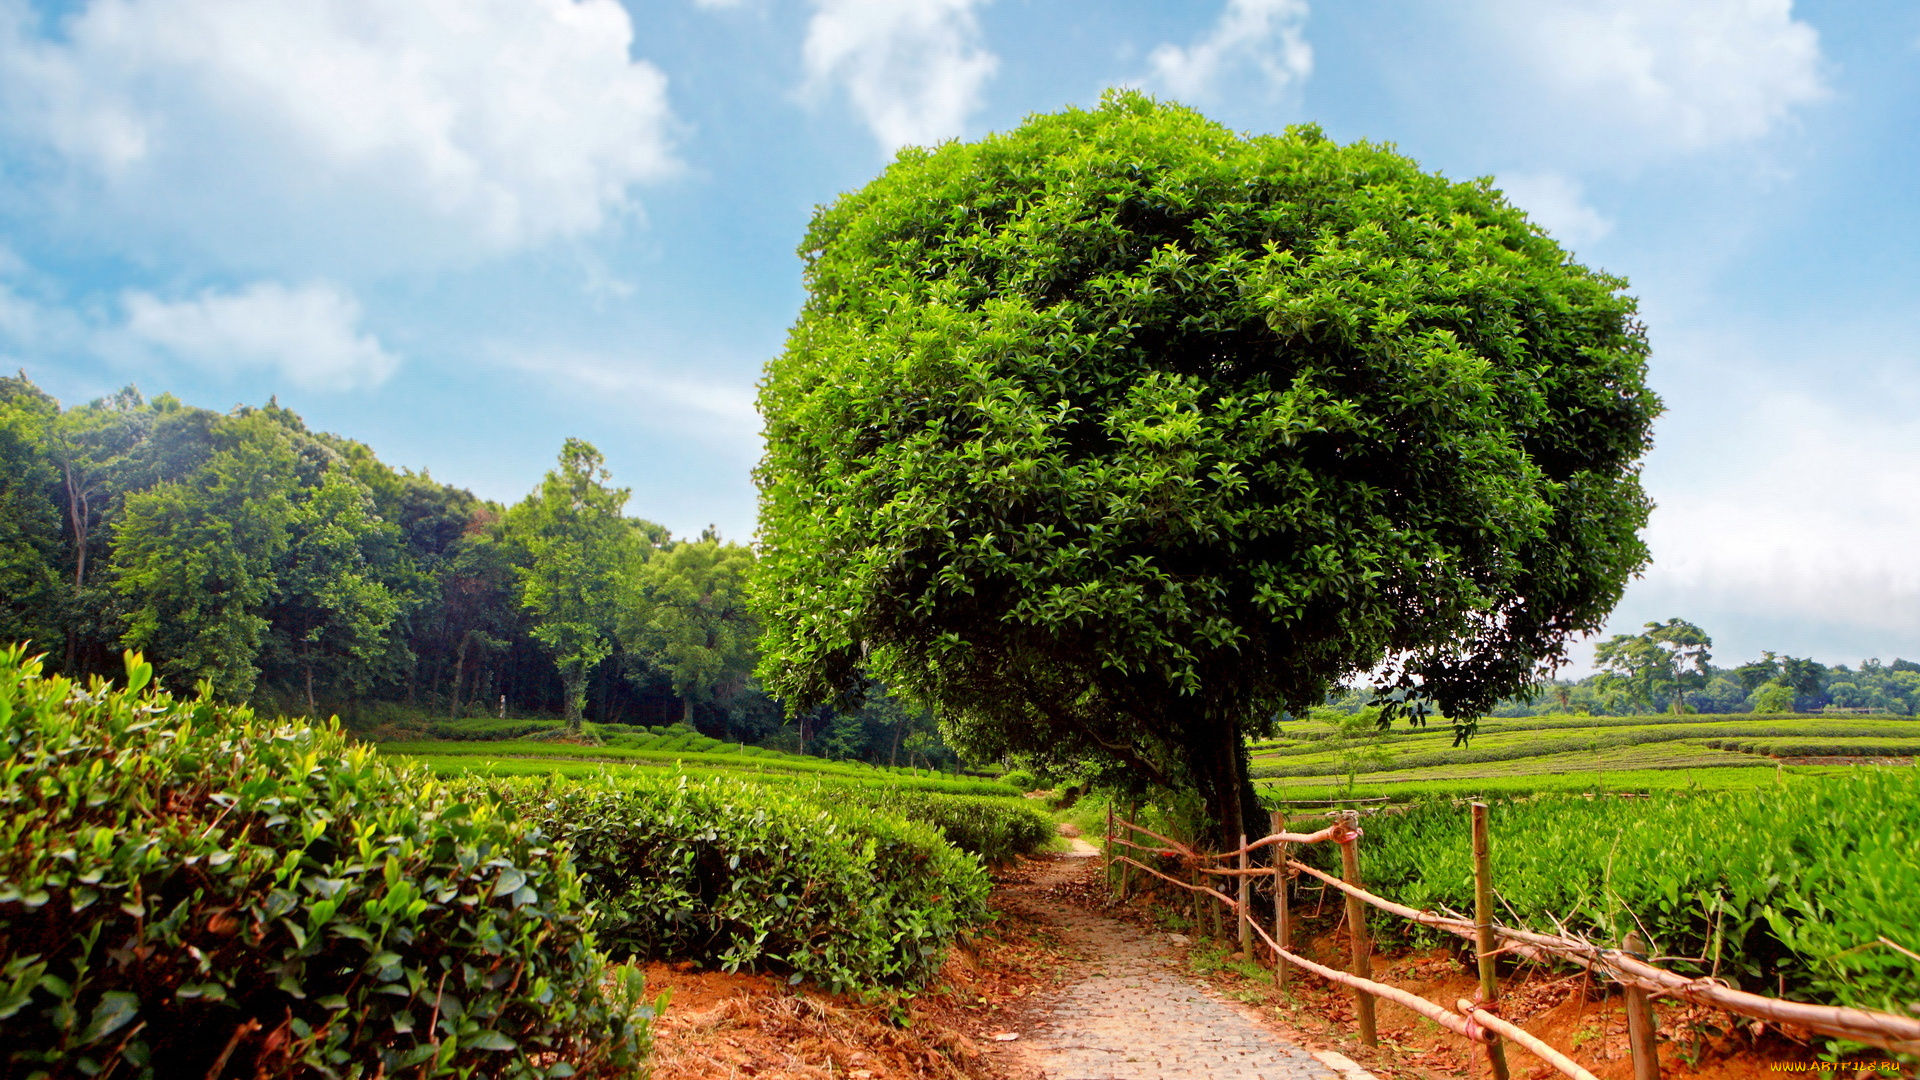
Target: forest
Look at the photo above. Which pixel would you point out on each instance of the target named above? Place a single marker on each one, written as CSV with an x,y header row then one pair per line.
x,y
294,570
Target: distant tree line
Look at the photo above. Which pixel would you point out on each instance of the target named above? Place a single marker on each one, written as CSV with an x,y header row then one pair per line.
x,y
295,570
1668,667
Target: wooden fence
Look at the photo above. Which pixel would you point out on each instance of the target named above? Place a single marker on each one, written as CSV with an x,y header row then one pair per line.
x,y
1477,1020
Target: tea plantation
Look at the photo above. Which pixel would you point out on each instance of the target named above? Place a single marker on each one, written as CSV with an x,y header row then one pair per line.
x,y
1810,889
1528,755
174,868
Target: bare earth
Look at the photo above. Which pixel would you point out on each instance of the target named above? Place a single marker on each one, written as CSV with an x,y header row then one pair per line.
x,y
1128,1012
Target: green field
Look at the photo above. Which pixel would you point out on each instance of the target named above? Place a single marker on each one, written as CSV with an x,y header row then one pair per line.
x,y
1531,755
496,748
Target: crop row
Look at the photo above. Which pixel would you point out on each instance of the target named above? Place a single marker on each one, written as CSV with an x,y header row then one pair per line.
x,y
1505,746
1447,783
1305,737
701,767
1821,746
1788,884
728,760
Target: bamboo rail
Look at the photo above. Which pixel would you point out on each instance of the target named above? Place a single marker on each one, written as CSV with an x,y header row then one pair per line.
x,y
1870,1027
1437,1013
1520,1035
1886,1030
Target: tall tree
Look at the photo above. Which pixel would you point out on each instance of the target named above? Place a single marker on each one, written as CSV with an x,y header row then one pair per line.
x,y
577,546
30,585
1114,435
334,614
687,615
1636,666
194,560
1685,647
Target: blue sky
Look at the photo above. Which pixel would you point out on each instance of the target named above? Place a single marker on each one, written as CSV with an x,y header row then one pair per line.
x,y
462,230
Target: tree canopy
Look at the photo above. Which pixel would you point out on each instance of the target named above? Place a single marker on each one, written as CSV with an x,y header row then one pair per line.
x,y
578,546
1113,435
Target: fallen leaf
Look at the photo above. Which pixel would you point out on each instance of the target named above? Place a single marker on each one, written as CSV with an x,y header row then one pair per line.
x,y
1005,1036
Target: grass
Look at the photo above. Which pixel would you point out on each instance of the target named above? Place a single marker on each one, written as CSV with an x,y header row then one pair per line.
x,y
690,765
1409,751
1447,783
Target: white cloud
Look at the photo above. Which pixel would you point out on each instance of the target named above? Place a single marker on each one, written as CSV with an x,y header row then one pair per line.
x,y
1558,205
913,69
459,127
1268,34
1680,73
310,335
720,411
1815,521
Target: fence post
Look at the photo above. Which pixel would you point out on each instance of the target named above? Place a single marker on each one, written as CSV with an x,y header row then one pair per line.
x,y
1106,848
1126,870
1193,878
1483,932
1213,904
1277,820
1245,897
1362,946
1641,1032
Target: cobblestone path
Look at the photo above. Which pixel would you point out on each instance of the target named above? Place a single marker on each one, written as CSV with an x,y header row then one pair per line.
x,y
1132,1014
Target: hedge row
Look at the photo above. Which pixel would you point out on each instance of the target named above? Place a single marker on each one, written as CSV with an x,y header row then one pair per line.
x,y
745,875
188,890
996,829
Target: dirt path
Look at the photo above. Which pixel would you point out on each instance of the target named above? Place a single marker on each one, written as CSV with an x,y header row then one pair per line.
x,y
1129,1013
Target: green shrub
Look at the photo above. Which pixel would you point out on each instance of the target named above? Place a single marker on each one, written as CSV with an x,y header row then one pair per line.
x,y
1790,885
997,830
490,728
1018,779
180,881
747,876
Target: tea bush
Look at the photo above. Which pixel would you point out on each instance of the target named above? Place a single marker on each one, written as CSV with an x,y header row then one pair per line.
x,y
1795,884
745,875
997,830
188,890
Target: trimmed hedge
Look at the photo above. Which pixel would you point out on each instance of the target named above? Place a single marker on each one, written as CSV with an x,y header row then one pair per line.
x,y
997,830
187,890
743,875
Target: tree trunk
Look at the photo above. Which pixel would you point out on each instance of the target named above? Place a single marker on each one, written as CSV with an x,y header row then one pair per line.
x,y
459,670
893,756
78,514
686,711
1221,772
576,685
311,708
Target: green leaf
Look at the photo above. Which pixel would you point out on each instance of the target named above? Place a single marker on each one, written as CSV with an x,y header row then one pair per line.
x,y
490,1040
116,1009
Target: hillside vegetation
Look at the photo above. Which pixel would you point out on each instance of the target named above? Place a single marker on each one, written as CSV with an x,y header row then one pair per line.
x,y
1317,758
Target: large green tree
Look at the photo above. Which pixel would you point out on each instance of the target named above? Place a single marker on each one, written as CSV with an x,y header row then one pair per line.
x,y
30,579
1113,435
686,614
577,546
195,560
333,614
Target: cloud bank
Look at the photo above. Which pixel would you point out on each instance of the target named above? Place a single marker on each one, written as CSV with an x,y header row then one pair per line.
x,y
310,335
914,70
1676,76
444,128
1267,35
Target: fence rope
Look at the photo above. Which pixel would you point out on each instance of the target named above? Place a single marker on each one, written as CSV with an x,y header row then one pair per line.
x,y
1871,1027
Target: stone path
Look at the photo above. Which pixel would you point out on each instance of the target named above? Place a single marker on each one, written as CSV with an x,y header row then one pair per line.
x,y
1132,1014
